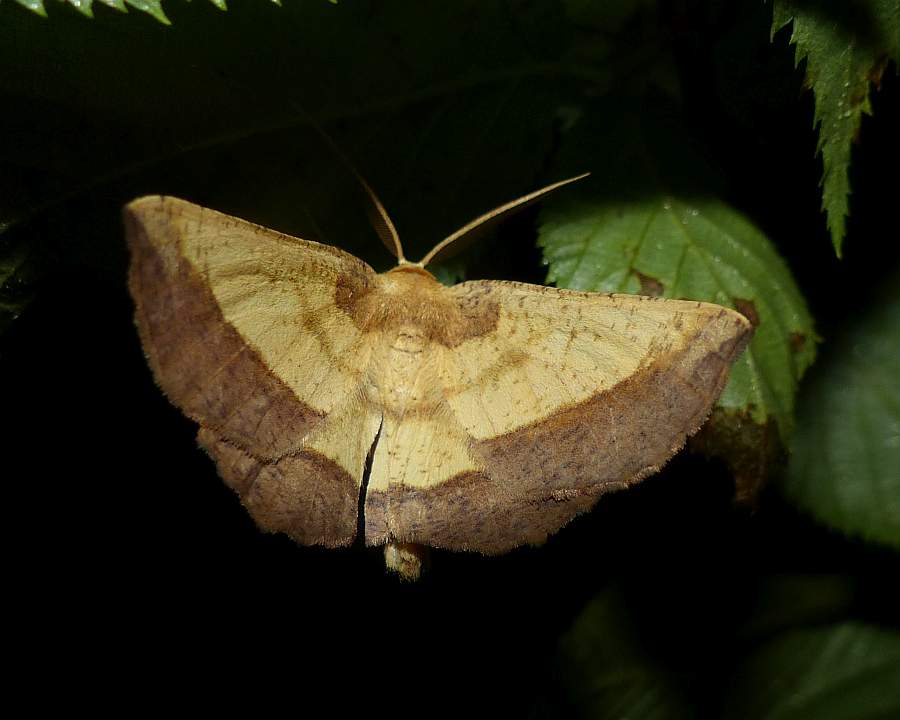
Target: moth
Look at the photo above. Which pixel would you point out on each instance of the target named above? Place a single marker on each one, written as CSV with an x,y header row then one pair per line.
x,y
480,417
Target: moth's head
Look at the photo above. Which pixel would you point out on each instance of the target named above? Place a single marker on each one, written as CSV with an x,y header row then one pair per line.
x,y
405,267
410,280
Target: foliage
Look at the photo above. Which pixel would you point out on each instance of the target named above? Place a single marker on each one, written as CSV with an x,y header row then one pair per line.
x,y
702,144
846,46
844,670
151,7
814,665
845,466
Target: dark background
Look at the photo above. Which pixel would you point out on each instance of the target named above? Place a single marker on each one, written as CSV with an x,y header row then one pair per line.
x,y
136,573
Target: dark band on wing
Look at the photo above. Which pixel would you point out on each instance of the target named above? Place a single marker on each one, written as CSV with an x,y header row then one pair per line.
x,y
199,359
306,495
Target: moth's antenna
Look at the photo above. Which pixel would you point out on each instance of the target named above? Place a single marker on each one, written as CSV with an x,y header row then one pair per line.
x,y
381,221
485,221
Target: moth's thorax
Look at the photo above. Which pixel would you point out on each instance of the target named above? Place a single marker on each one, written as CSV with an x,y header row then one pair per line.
x,y
409,313
406,297
407,309
412,321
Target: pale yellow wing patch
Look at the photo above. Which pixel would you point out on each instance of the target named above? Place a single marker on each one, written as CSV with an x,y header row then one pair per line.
x,y
279,293
420,451
554,348
347,435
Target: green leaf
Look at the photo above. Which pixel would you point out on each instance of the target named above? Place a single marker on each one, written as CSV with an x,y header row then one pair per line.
x,y
605,671
82,6
845,467
846,671
151,7
787,602
846,46
36,6
86,9
645,224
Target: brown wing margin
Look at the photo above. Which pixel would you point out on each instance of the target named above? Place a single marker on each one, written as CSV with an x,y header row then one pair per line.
x,y
251,423
536,478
